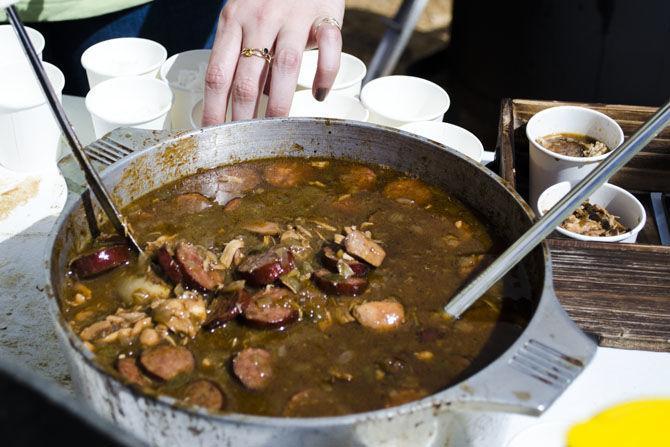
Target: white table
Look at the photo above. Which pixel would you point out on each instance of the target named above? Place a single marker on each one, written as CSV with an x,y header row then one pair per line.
x,y
27,336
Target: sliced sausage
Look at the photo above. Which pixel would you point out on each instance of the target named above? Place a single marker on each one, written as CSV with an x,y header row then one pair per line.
x,y
167,263
409,189
206,394
222,310
233,204
167,362
380,316
238,178
191,261
285,173
100,260
330,259
129,370
263,228
253,367
191,203
265,268
359,178
359,245
334,284
271,308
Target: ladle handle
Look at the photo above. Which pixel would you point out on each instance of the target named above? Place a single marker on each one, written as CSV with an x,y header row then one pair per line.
x,y
94,181
538,232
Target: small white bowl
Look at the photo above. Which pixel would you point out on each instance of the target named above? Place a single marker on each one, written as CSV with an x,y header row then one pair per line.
x,y
449,135
196,114
546,167
348,80
11,50
398,100
185,73
617,201
132,101
336,105
125,56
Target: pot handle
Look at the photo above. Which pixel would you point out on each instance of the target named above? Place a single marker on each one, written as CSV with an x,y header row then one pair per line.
x,y
537,369
111,147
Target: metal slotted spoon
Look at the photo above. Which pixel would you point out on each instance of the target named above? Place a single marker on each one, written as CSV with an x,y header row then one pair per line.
x,y
90,173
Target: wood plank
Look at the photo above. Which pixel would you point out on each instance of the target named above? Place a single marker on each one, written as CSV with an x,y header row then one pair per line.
x,y
621,297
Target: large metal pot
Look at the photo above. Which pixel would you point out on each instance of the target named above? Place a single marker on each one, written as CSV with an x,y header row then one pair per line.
x,y
526,378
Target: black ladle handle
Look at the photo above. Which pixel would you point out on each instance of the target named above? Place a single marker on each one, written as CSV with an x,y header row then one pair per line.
x,y
90,173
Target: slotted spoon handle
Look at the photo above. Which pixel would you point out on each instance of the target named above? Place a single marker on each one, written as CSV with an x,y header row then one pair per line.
x,y
538,232
90,173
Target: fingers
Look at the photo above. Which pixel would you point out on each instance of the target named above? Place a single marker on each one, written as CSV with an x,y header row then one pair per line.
x,y
250,78
220,71
285,69
329,41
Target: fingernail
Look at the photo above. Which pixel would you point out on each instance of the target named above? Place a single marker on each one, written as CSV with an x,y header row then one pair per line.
x,y
321,94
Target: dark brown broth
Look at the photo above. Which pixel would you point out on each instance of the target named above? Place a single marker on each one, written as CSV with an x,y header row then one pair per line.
x,y
421,270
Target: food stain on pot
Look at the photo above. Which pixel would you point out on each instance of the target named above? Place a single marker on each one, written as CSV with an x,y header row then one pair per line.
x,y
522,395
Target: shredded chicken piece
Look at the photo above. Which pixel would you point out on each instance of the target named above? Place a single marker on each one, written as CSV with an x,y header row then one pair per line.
x,y
593,220
229,252
181,315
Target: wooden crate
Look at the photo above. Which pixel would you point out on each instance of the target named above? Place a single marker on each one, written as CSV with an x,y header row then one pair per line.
x,y
620,293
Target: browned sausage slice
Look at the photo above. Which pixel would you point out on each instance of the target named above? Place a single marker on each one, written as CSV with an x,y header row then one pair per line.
x,y
330,259
129,370
271,308
265,268
222,309
285,173
358,178
253,367
380,316
167,362
191,202
409,189
334,284
100,260
233,204
361,246
191,261
206,394
168,265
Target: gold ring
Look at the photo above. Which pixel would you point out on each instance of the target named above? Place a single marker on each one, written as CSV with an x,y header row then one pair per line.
x,y
264,53
327,20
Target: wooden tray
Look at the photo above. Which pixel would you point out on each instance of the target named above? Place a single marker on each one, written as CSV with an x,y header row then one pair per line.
x,y
620,293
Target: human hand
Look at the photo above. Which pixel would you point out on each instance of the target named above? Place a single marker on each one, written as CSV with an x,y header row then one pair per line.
x,y
286,28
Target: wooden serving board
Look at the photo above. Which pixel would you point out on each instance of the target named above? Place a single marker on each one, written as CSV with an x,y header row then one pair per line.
x,y
619,293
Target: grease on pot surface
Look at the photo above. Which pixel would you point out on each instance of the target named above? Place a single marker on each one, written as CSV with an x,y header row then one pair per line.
x,y
292,287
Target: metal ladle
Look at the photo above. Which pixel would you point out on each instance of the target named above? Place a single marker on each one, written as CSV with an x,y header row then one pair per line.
x,y
91,175
540,230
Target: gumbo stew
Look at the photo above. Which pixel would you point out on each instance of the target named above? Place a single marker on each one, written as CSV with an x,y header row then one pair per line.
x,y
293,287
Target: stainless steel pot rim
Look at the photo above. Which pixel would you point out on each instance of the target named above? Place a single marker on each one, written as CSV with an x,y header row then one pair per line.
x,y
439,400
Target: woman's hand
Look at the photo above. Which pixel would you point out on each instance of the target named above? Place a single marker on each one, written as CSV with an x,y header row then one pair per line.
x,y
286,28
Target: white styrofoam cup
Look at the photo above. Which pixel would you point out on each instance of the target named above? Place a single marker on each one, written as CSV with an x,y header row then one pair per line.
x,y
398,100
28,131
132,101
196,113
11,51
615,200
185,73
546,167
336,105
124,56
449,135
348,80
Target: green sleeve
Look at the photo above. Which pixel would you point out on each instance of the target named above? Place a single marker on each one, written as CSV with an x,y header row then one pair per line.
x,y
57,10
